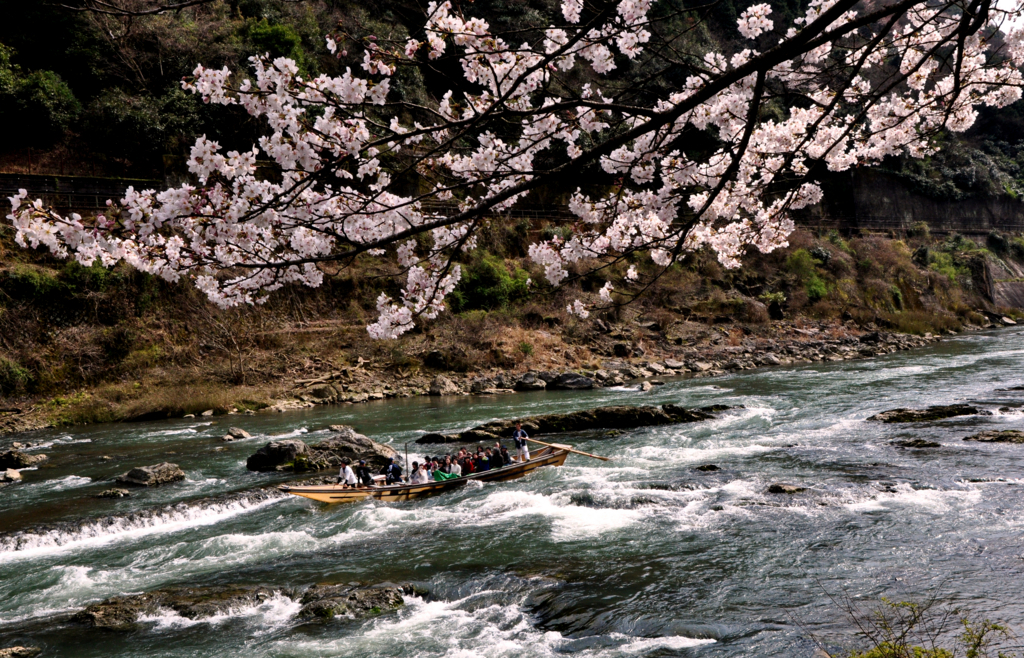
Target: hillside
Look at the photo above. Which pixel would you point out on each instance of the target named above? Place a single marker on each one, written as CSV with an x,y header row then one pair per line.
x,y
84,345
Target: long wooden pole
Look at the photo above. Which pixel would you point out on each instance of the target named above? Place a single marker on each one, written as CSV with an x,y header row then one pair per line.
x,y
568,449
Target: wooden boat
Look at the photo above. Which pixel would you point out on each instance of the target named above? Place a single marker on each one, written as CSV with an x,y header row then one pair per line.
x,y
335,493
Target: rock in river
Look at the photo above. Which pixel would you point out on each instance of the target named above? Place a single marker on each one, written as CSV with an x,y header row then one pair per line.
x,y
779,488
324,601
18,459
571,381
295,455
931,413
917,443
114,493
121,612
151,476
236,434
621,417
20,652
998,436
328,601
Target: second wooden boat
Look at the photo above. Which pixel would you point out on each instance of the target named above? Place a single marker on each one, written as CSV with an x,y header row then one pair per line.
x,y
552,455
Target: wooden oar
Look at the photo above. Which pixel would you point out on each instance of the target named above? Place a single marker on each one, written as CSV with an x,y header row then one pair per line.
x,y
568,449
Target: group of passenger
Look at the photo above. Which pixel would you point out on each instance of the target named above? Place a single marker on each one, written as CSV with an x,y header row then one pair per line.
x,y
440,468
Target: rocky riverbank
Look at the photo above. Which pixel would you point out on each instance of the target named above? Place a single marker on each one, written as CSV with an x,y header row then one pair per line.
x,y
683,350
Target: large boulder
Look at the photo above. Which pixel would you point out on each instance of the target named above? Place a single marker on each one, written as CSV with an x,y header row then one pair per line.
x,y
571,381
151,476
277,454
444,386
998,436
931,413
10,475
236,434
349,444
530,382
329,601
294,455
19,459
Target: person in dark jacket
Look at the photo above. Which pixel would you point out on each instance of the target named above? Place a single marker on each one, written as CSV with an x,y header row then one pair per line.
x,y
495,458
363,473
392,472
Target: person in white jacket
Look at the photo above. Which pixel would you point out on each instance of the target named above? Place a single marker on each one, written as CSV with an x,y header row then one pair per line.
x,y
347,476
418,475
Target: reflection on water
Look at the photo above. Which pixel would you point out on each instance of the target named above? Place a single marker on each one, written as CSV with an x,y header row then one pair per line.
x,y
641,556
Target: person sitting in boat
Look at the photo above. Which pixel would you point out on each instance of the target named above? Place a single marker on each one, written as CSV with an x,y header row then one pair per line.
x,y
495,458
482,463
505,457
392,472
363,474
347,476
467,464
453,466
522,446
418,475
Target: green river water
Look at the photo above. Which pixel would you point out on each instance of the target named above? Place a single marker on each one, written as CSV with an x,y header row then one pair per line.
x,y
641,556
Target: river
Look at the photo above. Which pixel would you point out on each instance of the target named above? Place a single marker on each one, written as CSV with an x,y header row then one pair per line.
x,y
640,556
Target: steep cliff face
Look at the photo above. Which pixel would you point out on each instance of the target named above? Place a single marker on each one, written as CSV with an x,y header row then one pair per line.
x,y
1007,287
873,199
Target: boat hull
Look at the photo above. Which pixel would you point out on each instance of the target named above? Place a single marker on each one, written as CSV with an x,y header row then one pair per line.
x,y
336,493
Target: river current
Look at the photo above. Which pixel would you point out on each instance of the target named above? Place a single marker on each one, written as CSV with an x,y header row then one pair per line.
x,y
640,556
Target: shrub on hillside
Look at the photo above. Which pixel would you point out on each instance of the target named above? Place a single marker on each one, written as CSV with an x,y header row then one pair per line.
x,y
14,380
487,285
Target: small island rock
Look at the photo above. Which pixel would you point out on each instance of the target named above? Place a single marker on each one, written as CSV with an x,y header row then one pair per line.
x,y
998,436
277,453
779,488
329,601
917,443
114,493
151,476
18,459
931,413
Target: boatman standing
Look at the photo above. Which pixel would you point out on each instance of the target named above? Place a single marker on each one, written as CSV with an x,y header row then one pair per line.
x,y
520,437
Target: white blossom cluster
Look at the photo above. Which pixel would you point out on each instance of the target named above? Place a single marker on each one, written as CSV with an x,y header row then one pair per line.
x,y
338,143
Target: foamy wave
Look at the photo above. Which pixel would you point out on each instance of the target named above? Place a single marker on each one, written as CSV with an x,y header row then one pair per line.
x,y
465,628
177,432
568,521
667,642
681,455
30,544
64,440
935,500
69,482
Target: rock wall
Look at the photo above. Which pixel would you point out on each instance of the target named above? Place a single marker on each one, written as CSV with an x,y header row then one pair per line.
x,y
873,199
